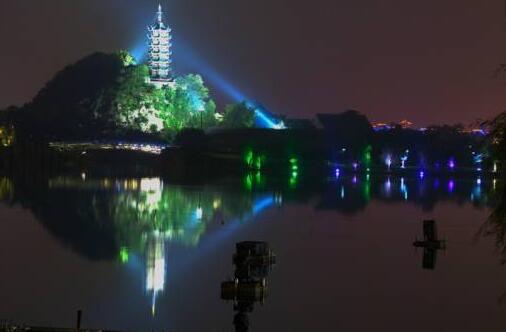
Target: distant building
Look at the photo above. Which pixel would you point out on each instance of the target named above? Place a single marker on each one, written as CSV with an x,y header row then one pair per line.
x,y
380,126
300,124
405,124
476,131
159,38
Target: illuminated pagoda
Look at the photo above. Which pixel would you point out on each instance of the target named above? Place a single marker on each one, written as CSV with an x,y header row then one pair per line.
x,y
159,52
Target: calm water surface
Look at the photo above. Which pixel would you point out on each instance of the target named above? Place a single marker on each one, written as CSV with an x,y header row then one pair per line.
x,y
147,255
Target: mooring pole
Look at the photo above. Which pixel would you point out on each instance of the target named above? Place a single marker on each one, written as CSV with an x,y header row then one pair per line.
x,y
79,315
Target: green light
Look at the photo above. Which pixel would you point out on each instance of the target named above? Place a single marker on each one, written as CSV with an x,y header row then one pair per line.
x,y
123,255
367,156
294,172
248,157
258,178
294,166
293,182
259,162
248,182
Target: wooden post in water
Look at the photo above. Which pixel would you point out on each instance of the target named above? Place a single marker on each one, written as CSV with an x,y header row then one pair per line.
x,y
79,315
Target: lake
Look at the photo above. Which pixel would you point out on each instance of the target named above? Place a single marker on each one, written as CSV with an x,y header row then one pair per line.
x,y
144,254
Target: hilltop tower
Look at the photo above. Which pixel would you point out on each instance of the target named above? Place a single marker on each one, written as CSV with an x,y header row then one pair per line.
x,y
159,37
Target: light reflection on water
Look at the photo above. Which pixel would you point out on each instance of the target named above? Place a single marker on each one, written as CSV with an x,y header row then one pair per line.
x,y
132,220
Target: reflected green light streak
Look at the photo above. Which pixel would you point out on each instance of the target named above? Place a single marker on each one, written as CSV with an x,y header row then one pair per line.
x,y
294,167
123,255
248,182
253,160
367,156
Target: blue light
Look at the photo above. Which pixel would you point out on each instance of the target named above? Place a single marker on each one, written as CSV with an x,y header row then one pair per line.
x,y
478,158
404,158
404,189
196,101
190,59
421,174
403,161
265,122
261,204
338,172
263,117
139,52
476,194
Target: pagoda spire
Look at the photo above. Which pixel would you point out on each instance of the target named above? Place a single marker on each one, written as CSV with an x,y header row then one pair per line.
x,y
159,14
159,38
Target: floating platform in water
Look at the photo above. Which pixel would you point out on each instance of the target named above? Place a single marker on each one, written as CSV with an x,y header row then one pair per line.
x,y
254,291
255,253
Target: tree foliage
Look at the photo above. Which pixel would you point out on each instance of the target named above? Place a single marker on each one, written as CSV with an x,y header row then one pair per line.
x,y
6,136
108,95
238,116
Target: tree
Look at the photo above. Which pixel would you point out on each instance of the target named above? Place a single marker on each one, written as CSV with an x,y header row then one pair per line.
x,y
238,116
6,136
134,100
108,95
187,105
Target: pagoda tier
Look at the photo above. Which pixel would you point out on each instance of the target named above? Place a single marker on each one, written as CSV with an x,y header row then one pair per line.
x,y
159,37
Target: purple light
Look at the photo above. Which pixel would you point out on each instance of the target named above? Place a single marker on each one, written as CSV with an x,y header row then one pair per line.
x,y
388,186
451,185
355,166
451,163
354,180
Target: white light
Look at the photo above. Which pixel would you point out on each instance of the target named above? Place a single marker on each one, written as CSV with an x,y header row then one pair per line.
x,y
151,184
388,161
199,213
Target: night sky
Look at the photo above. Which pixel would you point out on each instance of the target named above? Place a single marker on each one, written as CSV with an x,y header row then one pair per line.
x,y
431,61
